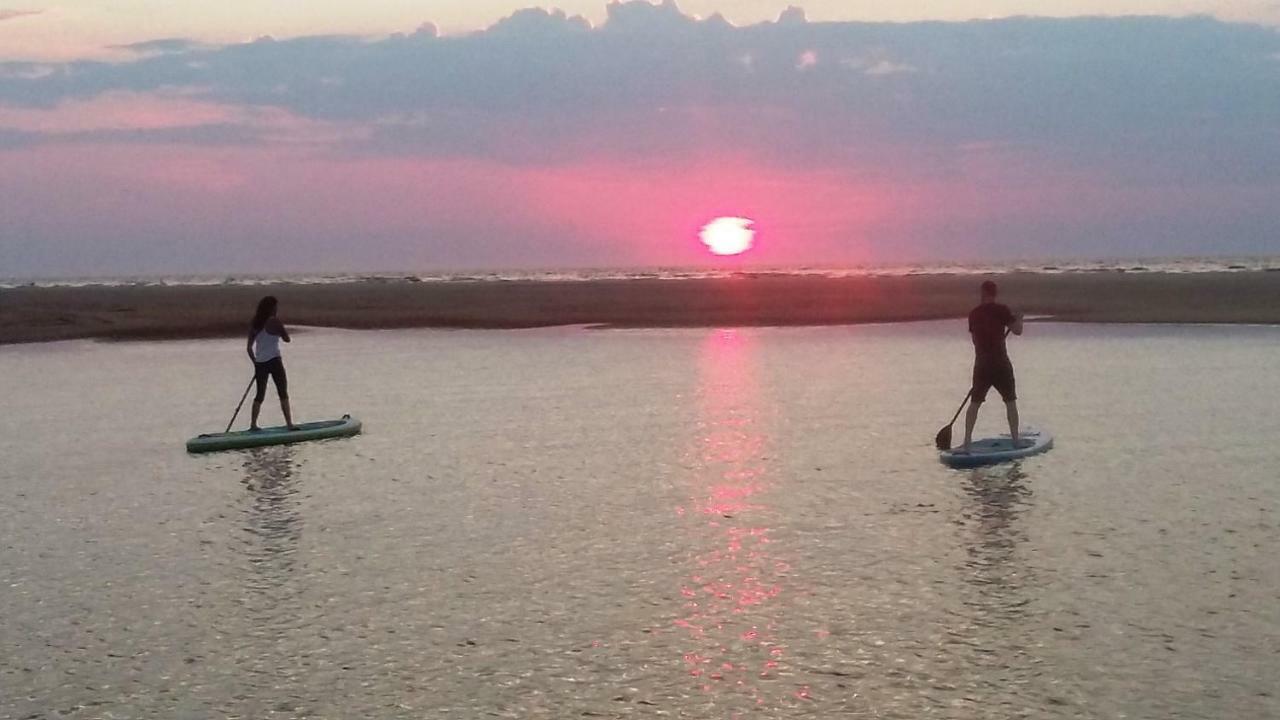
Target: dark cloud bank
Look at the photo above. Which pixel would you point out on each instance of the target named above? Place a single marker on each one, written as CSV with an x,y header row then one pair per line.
x,y
543,87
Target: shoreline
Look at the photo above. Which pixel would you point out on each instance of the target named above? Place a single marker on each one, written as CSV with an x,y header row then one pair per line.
x,y
43,314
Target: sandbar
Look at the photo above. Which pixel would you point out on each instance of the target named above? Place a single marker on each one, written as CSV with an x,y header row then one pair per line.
x,y
38,314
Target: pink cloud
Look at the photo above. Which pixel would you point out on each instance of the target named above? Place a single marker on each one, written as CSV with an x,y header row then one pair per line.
x,y
117,111
142,112
11,14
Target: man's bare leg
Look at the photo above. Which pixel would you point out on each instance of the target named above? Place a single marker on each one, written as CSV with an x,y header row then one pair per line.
x,y
970,419
1011,408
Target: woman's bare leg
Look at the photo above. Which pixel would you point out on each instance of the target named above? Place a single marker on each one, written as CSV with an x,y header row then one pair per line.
x,y
288,417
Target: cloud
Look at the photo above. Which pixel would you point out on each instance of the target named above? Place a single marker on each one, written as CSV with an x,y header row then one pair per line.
x,y
163,46
535,23
793,16
652,77
885,67
12,14
26,71
642,18
170,118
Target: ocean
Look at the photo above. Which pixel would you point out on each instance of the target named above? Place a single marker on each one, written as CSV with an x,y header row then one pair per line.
x,y
1175,265
691,523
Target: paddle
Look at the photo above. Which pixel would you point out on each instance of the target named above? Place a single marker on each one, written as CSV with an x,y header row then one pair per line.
x,y
943,439
246,395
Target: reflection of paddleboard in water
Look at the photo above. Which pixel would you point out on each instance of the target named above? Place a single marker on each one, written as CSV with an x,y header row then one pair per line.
x,y
346,427
990,451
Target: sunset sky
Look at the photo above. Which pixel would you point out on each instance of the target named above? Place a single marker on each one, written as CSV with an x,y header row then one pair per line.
x,y
257,137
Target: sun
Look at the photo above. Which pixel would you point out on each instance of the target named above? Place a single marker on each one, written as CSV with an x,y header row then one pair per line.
x,y
728,235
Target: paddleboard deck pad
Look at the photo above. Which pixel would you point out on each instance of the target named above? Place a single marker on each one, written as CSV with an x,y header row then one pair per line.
x,y
990,451
346,427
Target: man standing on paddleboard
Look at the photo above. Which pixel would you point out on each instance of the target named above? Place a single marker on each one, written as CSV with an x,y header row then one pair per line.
x,y
991,366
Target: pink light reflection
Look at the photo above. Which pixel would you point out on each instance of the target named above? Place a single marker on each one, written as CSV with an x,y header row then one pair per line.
x,y
728,609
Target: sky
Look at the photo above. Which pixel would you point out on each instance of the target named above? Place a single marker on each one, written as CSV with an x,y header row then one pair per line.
x,y
72,29
256,137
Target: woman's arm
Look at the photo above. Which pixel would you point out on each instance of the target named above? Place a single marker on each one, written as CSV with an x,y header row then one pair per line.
x,y
249,347
277,328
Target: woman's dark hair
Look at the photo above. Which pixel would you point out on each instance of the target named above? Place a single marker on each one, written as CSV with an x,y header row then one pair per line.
x,y
266,308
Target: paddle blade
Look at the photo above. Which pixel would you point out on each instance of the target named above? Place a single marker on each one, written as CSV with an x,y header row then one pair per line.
x,y
943,439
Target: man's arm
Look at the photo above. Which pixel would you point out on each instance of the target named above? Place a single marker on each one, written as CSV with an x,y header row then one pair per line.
x,y
1015,324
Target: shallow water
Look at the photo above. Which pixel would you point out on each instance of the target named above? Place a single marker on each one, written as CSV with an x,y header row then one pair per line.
x,y
681,523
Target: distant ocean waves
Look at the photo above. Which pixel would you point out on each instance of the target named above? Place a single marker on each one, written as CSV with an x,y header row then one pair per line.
x,y
1162,265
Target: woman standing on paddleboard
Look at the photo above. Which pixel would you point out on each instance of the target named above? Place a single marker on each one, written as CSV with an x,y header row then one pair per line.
x,y
264,350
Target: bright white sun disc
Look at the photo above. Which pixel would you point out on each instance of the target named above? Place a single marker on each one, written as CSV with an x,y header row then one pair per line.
x,y
728,235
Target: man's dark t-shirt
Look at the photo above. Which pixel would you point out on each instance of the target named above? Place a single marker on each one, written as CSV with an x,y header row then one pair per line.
x,y
987,323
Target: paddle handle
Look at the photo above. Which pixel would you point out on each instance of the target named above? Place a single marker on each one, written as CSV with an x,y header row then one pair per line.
x,y
243,398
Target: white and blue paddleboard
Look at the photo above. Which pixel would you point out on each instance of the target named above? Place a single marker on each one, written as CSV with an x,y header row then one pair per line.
x,y
990,451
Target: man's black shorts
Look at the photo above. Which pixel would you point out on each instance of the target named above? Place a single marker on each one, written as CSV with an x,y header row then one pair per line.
x,y
996,374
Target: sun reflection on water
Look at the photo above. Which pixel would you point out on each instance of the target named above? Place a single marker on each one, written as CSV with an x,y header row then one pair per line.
x,y
730,595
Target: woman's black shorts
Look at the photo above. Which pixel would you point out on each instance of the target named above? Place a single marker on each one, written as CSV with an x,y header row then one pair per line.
x,y
275,368
996,374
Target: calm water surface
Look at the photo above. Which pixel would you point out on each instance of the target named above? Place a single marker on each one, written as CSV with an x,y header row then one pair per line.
x,y
680,523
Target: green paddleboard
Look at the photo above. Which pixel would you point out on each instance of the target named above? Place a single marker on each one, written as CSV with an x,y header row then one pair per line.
x,y
346,427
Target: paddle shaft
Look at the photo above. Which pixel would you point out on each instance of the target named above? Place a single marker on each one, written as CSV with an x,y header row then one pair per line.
x,y
961,408
246,395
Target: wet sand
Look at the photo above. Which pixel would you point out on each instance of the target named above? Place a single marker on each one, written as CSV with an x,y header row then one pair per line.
x,y
123,313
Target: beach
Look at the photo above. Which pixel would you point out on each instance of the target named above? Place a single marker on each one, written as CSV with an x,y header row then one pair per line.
x,y
38,314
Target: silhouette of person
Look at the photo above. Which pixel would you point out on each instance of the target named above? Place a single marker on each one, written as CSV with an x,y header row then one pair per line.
x,y
263,346
988,324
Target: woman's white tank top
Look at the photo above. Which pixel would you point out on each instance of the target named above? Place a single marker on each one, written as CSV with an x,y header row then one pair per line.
x,y
266,346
